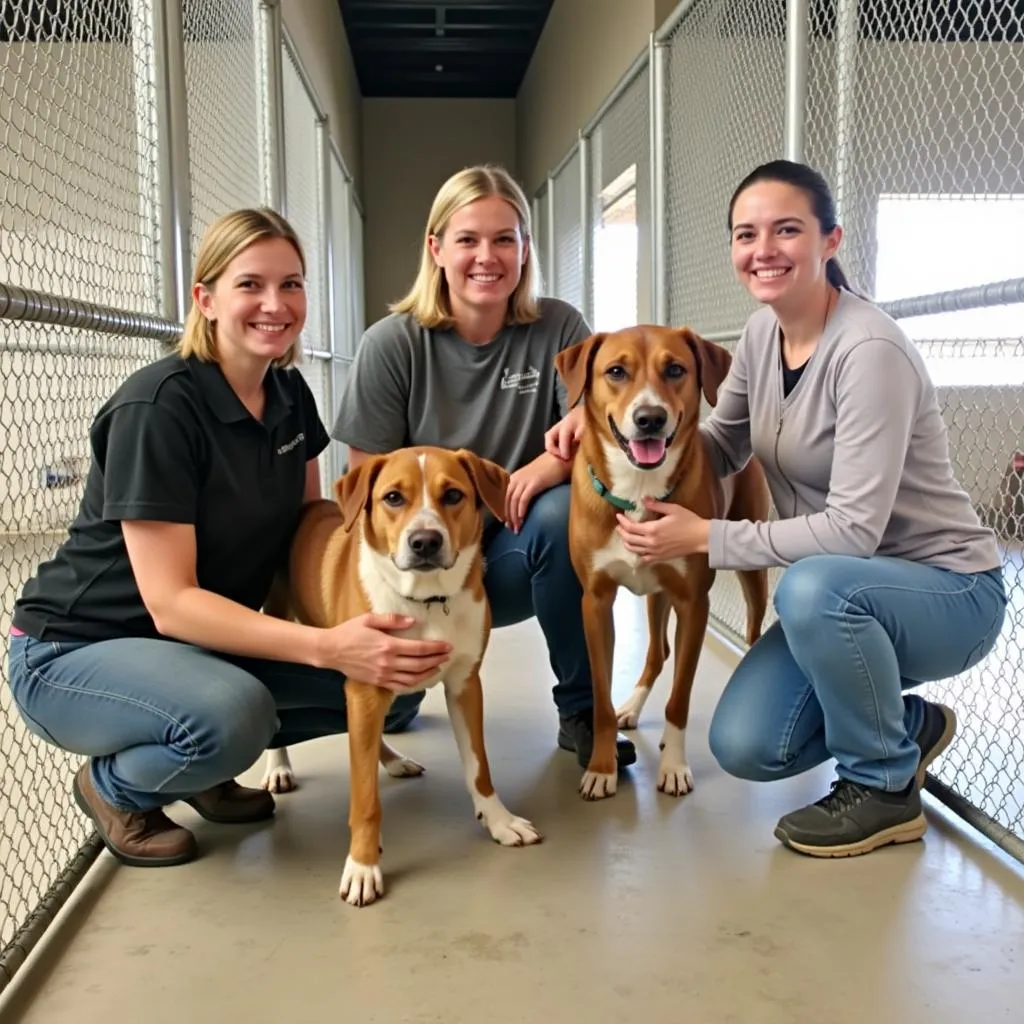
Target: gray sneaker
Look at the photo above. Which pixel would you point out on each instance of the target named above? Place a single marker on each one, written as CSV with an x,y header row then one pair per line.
x,y
854,819
936,733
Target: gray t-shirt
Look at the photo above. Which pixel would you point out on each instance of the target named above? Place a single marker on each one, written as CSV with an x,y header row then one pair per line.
x,y
411,385
857,455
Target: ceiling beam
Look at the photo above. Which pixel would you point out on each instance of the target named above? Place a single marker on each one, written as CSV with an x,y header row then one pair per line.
x,y
519,6
356,26
439,45
393,78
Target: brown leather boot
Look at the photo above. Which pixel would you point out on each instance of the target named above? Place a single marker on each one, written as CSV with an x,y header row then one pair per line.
x,y
143,839
231,804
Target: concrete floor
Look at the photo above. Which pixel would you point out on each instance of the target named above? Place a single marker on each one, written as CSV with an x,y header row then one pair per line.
x,y
638,908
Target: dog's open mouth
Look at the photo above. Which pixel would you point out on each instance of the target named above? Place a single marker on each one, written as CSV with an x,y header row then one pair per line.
x,y
644,452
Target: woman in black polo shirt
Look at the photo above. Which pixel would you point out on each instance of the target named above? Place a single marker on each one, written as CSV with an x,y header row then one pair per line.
x,y
140,643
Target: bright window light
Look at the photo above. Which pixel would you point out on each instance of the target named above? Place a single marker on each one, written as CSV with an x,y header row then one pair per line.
x,y
938,243
615,255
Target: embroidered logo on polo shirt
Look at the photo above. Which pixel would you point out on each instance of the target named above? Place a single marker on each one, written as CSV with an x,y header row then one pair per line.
x,y
295,441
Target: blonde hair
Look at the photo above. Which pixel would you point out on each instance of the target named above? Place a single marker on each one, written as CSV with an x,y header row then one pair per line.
x,y
428,300
224,239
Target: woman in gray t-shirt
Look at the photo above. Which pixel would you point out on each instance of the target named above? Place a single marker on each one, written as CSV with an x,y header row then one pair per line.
x,y
466,360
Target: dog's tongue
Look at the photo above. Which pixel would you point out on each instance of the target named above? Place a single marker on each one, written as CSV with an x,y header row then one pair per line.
x,y
648,451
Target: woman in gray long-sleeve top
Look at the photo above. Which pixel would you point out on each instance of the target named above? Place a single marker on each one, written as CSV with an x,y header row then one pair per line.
x,y
890,579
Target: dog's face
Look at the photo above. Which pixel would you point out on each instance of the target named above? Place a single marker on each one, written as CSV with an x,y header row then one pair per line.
x,y
643,385
422,511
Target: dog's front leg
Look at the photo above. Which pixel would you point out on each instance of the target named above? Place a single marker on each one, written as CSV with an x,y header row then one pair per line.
x,y
361,881
466,712
674,775
601,777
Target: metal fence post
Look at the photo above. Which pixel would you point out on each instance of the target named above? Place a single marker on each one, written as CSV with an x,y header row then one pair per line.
x,y
659,265
797,39
168,125
586,229
550,240
147,69
847,37
271,122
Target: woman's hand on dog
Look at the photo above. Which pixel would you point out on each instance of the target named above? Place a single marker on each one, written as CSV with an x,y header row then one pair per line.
x,y
676,533
563,438
363,648
536,477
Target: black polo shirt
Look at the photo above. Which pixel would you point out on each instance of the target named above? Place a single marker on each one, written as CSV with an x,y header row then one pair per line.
x,y
175,444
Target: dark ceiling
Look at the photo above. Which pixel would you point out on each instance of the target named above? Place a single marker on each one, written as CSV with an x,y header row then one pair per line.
x,y
467,48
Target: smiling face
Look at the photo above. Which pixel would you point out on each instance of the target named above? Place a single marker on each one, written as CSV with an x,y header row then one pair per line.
x,y
778,249
481,252
642,388
258,304
645,385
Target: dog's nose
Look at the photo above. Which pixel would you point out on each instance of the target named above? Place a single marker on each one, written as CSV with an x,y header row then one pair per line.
x,y
425,543
650,418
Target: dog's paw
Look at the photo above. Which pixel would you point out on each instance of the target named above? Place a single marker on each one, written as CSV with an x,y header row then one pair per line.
x,y
510,830
598,785
674,778
278,780
674,775
627,719
403,768
628,716
361,884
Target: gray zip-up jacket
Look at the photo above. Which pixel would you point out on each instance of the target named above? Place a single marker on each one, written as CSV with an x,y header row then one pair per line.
x,y
856,456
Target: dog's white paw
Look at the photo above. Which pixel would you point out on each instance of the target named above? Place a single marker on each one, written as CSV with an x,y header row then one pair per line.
x,y
361,884
279,780
598,785
403,768
510,830
278,776
674,775
674,779
628,715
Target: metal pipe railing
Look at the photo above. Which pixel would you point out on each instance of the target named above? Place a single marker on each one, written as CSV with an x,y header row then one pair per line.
x,y
26,305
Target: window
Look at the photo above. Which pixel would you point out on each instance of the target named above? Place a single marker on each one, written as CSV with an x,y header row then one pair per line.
x,y
937,243
615,255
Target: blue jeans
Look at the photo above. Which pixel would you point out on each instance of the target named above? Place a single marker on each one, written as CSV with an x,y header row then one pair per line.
x,y
827,680
163,720
530,574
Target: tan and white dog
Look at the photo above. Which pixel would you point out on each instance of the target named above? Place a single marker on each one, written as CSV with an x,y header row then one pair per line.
x,y
404,536
641,389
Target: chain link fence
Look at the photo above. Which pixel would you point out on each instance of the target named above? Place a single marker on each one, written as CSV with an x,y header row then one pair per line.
x,y
914,111
566,277
127,127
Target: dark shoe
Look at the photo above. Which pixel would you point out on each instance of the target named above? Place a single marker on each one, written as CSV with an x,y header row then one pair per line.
x,y
143,839
936,733
232,804
853,819
576,733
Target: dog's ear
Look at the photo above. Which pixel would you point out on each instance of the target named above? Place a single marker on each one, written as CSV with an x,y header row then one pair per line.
x,y
713,362
489,479
574,364
352,491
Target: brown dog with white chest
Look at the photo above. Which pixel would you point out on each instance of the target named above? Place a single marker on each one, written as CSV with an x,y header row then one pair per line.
x,y
641,389
404,536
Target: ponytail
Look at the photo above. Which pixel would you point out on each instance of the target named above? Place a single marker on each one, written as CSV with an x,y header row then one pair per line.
x,y
836,276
